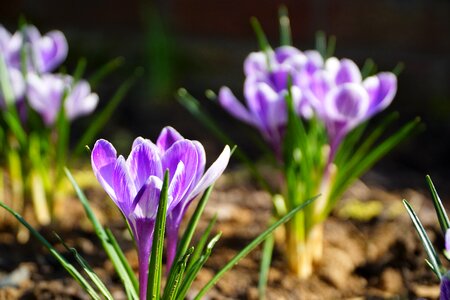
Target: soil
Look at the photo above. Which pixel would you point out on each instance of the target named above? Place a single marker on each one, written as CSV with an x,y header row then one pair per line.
x,y
371,249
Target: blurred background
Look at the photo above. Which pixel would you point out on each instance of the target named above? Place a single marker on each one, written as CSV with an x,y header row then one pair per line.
x,y
201,45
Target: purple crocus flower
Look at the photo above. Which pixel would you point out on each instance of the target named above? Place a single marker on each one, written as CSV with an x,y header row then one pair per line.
x,y
44,53
17,85
266,87
45,94
445,287
342,100
135,183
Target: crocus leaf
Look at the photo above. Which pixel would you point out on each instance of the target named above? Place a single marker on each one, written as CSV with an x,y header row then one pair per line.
x,y
129,281
432,256
104,70
266,260
251,246
173,283
438,206
285,26
79,70
64,263
191,274
261,37
88,269
155,265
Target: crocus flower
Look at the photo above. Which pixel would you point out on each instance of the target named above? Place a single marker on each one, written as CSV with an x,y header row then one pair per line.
x,y
265,89
135,183
342,100
445,287
45,94
44,53
17,85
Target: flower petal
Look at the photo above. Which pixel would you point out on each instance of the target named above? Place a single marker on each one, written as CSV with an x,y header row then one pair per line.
x,y
123,186
144,161
343,71
167,137
348,102
381,89
50,50
145,204
103,160
214,171
229,102
80,100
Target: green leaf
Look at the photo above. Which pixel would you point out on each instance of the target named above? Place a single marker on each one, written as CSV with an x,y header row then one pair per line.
x,y
66,265
434,260
285,26
155,266
100,119
262,39
105,70
250,247
79,70
87,268
173,283
438,206
129,282
266,260
202,242
192,272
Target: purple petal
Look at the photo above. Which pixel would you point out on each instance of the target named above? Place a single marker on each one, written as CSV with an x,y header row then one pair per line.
x,y
144,161
103,160
343,71
123,186
256,63
229,102
145,204
214,171
445,288
348,102
50,51
284,53
381,89
45,94
168,137
201,161
447,240
180,179
80,100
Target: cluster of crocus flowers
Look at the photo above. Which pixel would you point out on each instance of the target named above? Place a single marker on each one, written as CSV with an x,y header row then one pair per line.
x,y
29,58
135,183
333,90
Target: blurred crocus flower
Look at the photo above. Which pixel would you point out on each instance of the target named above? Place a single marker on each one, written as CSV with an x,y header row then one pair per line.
x,y
343,100
445,287
17,85
46,92
135,183
265,89
44,53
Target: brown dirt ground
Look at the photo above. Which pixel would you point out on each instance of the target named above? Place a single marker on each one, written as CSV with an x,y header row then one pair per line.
x,y
371,251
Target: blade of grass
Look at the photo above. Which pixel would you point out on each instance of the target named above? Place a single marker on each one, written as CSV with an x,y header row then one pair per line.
x,y
438,206
260,35
155,266
266,260
88,269
433,257
285,26
202,242
105,70
250,247
121,269
66,265
192,273
173,283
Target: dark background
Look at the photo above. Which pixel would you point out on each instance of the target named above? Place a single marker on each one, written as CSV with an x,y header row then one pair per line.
x,y
200,44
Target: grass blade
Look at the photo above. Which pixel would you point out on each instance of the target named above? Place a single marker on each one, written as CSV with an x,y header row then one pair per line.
x,y
251,246
155,266
66,265
433,257
173,283
285,26
438,206
87,268
260,35
266,260
104,70
202,242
